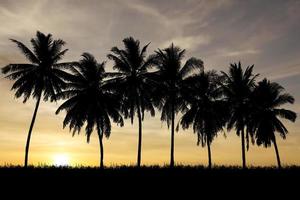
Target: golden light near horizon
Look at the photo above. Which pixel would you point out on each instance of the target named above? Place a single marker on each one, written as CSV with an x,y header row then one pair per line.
x,y
61,160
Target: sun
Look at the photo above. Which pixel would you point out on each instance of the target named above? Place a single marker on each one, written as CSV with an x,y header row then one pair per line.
x,y
61,160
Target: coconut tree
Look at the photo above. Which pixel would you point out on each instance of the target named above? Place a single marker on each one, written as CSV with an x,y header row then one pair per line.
x,y
90,101
42,77
169,96
207,111
133,82
237,87
267,99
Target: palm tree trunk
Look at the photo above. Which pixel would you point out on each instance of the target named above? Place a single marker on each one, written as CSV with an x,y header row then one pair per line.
x,y
140,138
243,148
277,153
100,136
209,154
30,129
172,137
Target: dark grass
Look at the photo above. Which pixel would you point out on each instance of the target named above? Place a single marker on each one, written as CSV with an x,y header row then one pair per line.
x,y
157,171
154,179
165,172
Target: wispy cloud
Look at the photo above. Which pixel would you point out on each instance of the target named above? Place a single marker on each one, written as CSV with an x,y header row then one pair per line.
x,y
189,42
286,71
239,53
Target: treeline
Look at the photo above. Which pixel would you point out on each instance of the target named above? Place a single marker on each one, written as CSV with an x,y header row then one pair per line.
x,y
209,101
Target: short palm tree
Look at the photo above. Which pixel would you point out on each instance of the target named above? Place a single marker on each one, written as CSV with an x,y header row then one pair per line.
x,y
43,77
267,99
169,96
90,101
207,111
133,82
237,87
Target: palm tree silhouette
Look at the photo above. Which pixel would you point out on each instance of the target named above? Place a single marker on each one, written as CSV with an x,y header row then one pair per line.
x,y
169,97
237,88
267,98
207,111
42,77
90,101
133,81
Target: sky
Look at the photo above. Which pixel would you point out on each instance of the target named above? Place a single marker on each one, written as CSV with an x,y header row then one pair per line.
x,y
264,33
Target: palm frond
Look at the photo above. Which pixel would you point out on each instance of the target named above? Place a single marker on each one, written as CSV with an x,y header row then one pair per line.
x,y
283,99
286,114
11,68
27,52
191,65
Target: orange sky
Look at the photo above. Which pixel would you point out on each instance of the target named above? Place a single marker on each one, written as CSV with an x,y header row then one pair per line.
x,y
49,140
218,32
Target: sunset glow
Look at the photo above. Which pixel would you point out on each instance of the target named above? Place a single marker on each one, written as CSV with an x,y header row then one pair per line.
x,y
61,160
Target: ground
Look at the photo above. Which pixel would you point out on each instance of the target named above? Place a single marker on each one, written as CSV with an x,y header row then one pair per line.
x,y
155,180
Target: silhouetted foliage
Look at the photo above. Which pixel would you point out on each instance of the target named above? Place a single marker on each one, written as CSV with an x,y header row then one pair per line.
x,y
207,112
90,101
43,77
237,87
267,98
133,82
169,96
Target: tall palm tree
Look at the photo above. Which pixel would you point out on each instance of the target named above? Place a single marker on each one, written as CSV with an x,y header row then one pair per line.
x,y
169,95
90,101
207,111
133,81
237,87
267,99
42,77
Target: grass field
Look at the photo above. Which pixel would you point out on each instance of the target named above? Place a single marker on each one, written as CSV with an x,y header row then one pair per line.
x,y
146,171
149,172
154,179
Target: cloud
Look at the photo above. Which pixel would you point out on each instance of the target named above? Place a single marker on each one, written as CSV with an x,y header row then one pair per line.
x,y
283,72
189,42
239,53
145,10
